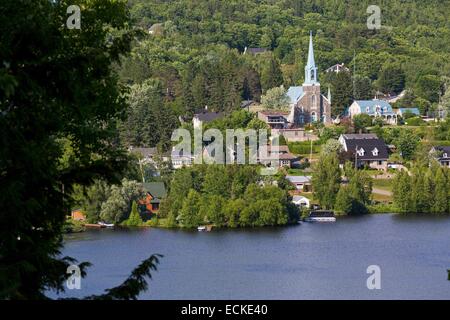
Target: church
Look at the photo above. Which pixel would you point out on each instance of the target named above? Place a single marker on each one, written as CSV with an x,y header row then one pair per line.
x,y
307,104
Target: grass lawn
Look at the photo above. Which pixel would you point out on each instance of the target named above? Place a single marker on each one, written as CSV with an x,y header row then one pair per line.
x,y
298,172
381,197
384,184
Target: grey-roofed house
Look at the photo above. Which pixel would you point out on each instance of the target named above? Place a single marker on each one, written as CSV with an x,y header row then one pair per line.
x,y
374,108
254,51
301,183
281,155
442,155
145,154
205,116
366,150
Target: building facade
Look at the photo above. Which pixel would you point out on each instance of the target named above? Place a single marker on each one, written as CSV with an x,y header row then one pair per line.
x,y
307,104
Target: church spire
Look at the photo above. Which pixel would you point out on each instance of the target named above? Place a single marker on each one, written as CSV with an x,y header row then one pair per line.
x,y
310,68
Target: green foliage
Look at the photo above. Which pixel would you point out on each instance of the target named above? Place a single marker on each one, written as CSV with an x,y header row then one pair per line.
x,y
326,180
361,122
391,78
73,226
407,142
303,147
118,205
344,201
275,99
415,121
331,146
341,91
229,196
91,198
134,220
54,83
425,191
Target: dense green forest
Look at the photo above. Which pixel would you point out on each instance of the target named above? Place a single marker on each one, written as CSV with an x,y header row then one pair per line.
x,y
190,53
227,195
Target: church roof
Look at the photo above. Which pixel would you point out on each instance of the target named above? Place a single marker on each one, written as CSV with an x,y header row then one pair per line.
x,y
294,94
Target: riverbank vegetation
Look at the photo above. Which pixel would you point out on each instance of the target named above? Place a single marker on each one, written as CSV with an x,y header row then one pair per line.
x,y
227,196
425,190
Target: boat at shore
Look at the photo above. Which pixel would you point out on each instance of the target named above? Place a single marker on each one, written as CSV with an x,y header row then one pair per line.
x,y
206,228
321,216
99,225
106,225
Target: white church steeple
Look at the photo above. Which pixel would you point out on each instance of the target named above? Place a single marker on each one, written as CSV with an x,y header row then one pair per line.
x,y
310,68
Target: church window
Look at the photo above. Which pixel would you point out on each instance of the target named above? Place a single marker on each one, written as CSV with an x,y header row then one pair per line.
x,y
313,117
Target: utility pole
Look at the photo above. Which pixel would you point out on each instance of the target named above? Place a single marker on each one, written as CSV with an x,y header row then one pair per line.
x,y
354,73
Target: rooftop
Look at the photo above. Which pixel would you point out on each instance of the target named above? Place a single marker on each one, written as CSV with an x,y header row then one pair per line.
x,y
294,94
206,116
156,189
299,179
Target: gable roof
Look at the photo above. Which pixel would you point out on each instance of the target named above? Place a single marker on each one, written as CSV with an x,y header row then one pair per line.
x,y
372,106
294,94
368,142
443,149
156,189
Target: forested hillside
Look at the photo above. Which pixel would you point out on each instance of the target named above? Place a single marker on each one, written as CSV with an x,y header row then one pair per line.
x,y
190,53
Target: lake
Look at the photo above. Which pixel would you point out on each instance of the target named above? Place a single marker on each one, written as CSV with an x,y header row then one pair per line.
x,y
307,261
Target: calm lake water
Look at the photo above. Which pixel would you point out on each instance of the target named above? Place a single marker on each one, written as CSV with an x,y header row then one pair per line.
x,y
308,261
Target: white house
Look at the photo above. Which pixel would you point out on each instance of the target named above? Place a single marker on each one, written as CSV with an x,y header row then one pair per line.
x,y
300,201
374,108
302,183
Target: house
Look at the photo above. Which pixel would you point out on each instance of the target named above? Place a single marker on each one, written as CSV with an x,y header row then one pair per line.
x,y
146,155
78,215
374,108
402,111
280,154
154,193
300,201
205,116
337,68
366,150
442,155
274,119
254,51
180,159
301,183
295,134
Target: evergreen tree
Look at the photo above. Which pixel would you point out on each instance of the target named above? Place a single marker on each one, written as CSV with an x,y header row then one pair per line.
x,y
189,213
440,197
271,75
344,201
134,220
402,191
